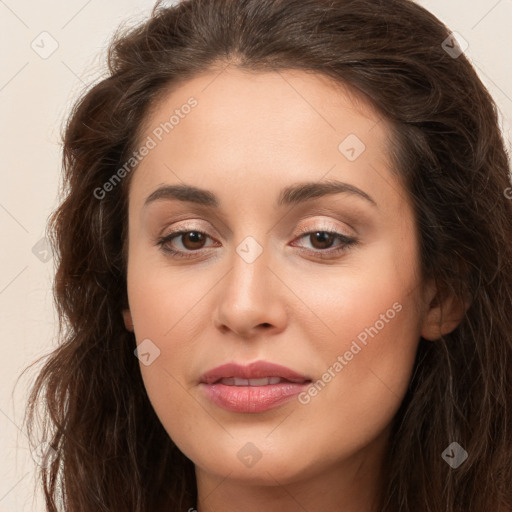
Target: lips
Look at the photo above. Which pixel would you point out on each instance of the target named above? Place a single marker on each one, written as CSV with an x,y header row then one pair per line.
x,y
255,388
259,373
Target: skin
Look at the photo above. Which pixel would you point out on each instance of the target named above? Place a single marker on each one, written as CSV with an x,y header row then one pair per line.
x,y
250,135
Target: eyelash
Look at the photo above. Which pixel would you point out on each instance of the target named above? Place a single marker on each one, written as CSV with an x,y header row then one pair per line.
x,y
346,243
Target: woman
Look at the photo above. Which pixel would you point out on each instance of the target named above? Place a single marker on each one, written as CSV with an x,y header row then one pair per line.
x,y
296,215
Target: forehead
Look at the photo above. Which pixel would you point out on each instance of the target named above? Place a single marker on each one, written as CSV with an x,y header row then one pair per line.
x,y
267,129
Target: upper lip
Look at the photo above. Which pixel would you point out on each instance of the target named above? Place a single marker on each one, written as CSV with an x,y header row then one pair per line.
x,y
256,370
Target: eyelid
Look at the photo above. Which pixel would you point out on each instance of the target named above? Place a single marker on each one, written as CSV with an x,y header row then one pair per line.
x,y
321,227
186,225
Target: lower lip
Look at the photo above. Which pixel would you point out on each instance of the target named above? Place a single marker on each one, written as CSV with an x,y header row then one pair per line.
x,y
252,398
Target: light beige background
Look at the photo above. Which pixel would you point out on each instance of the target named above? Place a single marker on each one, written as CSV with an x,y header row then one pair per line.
x,y
36,94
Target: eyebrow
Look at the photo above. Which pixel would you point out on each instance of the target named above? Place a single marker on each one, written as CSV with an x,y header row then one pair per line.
x,y
291,195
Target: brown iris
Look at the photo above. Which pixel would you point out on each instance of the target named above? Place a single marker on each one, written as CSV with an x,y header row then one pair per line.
x,y
324,238
196,239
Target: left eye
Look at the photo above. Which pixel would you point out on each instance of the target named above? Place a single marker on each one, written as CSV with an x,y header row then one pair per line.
x,y
325,238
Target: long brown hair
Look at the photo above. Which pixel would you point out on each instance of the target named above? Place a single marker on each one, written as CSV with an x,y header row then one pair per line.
x,y
111,452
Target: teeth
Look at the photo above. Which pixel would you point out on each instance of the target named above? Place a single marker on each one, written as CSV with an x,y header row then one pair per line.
x,y
265,381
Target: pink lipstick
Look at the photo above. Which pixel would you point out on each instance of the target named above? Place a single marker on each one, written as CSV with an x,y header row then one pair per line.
x,y
257,387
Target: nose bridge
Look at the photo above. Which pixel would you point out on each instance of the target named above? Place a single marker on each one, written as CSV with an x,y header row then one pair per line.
x,y
248,295
250,277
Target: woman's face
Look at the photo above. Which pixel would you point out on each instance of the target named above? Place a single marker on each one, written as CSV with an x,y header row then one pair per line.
x,y
261,279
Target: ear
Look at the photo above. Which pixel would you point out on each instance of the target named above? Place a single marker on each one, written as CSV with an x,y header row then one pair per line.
x,y
444,313
128,322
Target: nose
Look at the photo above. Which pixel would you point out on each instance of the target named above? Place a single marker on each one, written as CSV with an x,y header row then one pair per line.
x,y
251,298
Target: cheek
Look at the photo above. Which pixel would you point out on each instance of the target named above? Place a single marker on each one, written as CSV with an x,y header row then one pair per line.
x,y
372,297
368,356
167,309
366,378
162,298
